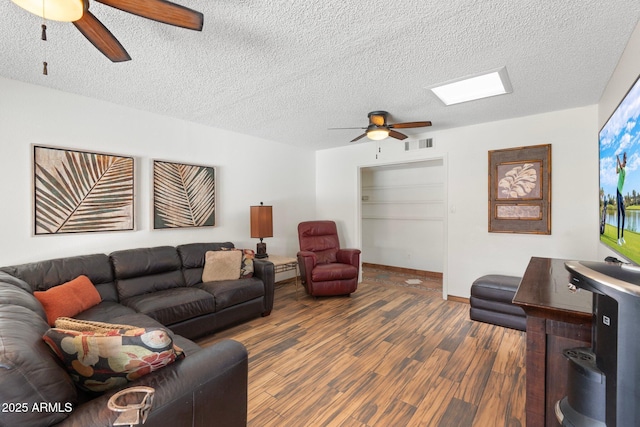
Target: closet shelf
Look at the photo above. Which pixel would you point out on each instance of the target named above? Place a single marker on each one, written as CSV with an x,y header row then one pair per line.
x,y
403,218
403,202
403,186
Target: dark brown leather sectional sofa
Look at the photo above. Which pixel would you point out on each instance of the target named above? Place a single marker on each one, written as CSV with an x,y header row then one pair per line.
x,y
146,287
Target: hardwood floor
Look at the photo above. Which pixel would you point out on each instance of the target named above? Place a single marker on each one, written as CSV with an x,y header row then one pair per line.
x,y
386,356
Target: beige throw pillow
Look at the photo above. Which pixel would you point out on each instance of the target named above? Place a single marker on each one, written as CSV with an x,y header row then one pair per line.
x,y
221,265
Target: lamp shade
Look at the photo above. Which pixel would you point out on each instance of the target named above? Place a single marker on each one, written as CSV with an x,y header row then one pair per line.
x,y
55,10
261,221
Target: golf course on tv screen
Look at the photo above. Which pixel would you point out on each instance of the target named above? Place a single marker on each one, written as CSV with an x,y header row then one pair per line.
x,y
619,142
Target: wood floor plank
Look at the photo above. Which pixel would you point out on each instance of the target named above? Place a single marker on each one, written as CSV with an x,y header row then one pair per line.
x,y
494,402
517,399
389,355
511,353
473,383
435,403
396,413
415,391
488,336
458,414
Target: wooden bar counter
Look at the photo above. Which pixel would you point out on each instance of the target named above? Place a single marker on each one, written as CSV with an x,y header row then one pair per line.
x,y
556,319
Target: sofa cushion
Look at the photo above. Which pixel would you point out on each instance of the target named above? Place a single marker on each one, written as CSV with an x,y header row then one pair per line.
x,y
29,373
117,313
10,294
47,274
173,305
101,356
12,280
106,311
221,265
145,270
231,292
68,299
192,256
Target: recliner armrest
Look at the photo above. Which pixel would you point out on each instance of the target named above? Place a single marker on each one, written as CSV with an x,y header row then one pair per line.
x,y
307,260
308,255
349,256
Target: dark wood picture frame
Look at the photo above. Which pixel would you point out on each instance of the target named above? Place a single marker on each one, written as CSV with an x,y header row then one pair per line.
x,y
79,191
520,190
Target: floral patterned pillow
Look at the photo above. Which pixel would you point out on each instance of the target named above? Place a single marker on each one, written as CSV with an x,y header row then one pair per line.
x,y
246,268
102,360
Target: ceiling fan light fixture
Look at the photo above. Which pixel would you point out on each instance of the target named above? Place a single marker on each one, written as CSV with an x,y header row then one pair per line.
x,y
377,133
54,10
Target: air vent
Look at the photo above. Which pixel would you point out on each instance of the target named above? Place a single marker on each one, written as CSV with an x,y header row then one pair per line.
x,y
418,144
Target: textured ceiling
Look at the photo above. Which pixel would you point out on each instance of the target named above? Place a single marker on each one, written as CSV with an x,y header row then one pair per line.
x,y
287,70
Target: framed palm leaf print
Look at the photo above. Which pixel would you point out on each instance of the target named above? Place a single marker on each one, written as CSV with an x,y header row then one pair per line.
x,y
79,191
183,195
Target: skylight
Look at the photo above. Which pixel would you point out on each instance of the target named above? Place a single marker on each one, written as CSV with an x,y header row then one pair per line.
x,y
475,87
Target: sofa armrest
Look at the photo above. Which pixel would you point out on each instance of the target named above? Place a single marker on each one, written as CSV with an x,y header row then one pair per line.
x,y
349,256
265,271
207,386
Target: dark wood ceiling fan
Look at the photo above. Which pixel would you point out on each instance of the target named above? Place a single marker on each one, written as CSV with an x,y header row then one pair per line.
x,y
379,128
157,10
77,11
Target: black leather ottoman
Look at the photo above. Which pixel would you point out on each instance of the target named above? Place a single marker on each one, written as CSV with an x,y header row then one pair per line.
x,y
491,298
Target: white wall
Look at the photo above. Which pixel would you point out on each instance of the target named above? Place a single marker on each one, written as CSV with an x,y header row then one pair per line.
x,y
249,170
623,77
471,251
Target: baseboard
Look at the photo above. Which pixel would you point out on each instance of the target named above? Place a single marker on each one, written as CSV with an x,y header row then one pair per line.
x,y
457,299
432,274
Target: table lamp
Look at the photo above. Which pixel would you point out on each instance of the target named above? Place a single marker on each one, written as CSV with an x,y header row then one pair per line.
x,y
261,227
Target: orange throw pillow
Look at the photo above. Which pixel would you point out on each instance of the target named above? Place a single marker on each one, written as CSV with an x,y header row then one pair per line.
x,y
68,299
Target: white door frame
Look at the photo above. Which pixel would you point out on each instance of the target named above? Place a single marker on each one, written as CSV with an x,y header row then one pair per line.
x,y
358,208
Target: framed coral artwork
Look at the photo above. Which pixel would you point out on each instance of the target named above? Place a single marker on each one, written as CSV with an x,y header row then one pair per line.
x,y
183,195
520,190
80,191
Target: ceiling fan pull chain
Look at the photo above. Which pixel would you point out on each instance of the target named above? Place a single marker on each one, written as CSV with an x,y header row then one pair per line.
x,y
44,63
43,36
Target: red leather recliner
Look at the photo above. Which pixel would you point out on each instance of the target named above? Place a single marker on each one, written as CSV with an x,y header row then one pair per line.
x,y
325,268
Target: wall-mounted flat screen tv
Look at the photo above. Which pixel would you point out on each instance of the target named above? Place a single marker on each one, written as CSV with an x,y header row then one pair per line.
x,y
619,142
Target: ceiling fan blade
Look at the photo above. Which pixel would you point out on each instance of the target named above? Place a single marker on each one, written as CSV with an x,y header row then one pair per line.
x,y
161,11
361,136
410,125
397,135
101,37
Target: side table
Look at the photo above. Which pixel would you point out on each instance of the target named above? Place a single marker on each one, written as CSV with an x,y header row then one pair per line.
x,y
282,264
